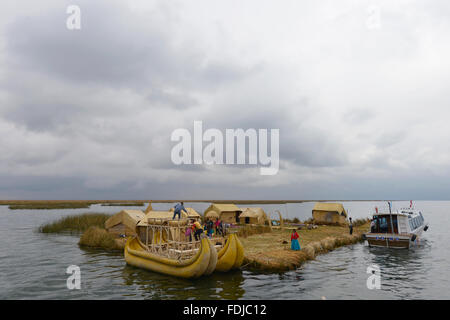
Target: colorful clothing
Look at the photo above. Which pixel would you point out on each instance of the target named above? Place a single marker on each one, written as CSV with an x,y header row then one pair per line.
x,y
188,233
295,245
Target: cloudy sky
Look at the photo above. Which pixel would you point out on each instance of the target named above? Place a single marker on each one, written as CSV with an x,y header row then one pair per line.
x,y
360,91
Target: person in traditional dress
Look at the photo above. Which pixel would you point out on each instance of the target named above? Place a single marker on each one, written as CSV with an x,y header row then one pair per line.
x,y
295,245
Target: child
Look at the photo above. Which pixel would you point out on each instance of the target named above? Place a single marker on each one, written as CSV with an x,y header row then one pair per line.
x,y
295,245
188,233
210,232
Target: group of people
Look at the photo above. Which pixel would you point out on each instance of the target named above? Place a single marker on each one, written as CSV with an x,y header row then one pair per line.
x,y
209,228
195,228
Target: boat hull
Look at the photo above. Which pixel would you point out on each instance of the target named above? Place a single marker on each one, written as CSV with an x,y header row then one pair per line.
x,y
392,240
388,242
231,256
203,262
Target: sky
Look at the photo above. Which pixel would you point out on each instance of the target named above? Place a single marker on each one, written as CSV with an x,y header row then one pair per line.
x,y
359,91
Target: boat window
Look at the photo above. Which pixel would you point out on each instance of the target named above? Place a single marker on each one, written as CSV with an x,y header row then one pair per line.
x,y
383,225
394,224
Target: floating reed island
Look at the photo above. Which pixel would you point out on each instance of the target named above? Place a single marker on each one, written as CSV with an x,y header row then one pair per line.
x,y
270,251
266,242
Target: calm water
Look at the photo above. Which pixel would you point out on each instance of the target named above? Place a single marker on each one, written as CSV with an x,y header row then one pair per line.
x,y
33,265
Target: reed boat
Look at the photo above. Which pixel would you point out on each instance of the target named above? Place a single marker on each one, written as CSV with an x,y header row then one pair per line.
x,y
160,245
231,255
401,229
202,263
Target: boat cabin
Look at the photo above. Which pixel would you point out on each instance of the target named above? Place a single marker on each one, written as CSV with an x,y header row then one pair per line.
x,y
397,229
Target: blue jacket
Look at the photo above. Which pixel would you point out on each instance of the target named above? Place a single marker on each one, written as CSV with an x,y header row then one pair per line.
x,y
179,207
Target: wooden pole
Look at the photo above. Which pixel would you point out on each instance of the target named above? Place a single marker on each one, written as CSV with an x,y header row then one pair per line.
x,y
392,224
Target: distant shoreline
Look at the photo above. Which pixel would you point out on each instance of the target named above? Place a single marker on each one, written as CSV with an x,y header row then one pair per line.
x,y
30,202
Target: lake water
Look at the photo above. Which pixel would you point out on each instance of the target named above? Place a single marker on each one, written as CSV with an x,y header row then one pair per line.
x,y
33,265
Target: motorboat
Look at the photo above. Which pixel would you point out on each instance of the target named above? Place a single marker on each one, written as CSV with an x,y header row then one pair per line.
x,y
399,229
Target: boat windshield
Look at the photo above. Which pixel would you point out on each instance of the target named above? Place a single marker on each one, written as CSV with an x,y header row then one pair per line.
x,y
382,224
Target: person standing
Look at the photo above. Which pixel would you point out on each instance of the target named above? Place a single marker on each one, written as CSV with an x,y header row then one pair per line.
x,y
210,228
218,225
188,232
295,245
198,230
350,225
177,210
373,226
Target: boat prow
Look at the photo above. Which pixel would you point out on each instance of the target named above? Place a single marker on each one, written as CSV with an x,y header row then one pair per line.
x,y
231,255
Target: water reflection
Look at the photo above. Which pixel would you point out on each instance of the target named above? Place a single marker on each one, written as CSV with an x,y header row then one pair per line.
x,y
157,286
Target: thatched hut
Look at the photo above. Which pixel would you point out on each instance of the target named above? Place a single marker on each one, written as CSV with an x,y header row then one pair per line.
x,y
228,213
253,216
124,222
333,213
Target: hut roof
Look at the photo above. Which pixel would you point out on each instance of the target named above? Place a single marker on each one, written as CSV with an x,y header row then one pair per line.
x,y
223,207
127,217
191,213
154,214
330,207
252,213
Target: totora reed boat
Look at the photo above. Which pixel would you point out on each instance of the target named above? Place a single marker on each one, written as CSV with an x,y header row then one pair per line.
x,y
202,263
160,247
401,229
231,255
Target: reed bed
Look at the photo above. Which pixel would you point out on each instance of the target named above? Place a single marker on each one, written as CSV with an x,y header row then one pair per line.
x,y
131,204
64,204
49,206
360,222
75,223
246,231
96,237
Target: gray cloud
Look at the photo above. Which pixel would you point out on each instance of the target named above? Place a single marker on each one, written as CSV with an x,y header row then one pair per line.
x,y
89,113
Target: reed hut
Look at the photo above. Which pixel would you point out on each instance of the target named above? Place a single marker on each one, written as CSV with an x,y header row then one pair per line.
x,y
329,213
124,222
253,216
228,213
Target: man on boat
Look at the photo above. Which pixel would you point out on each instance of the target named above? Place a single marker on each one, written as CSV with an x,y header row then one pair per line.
x,y
177,210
